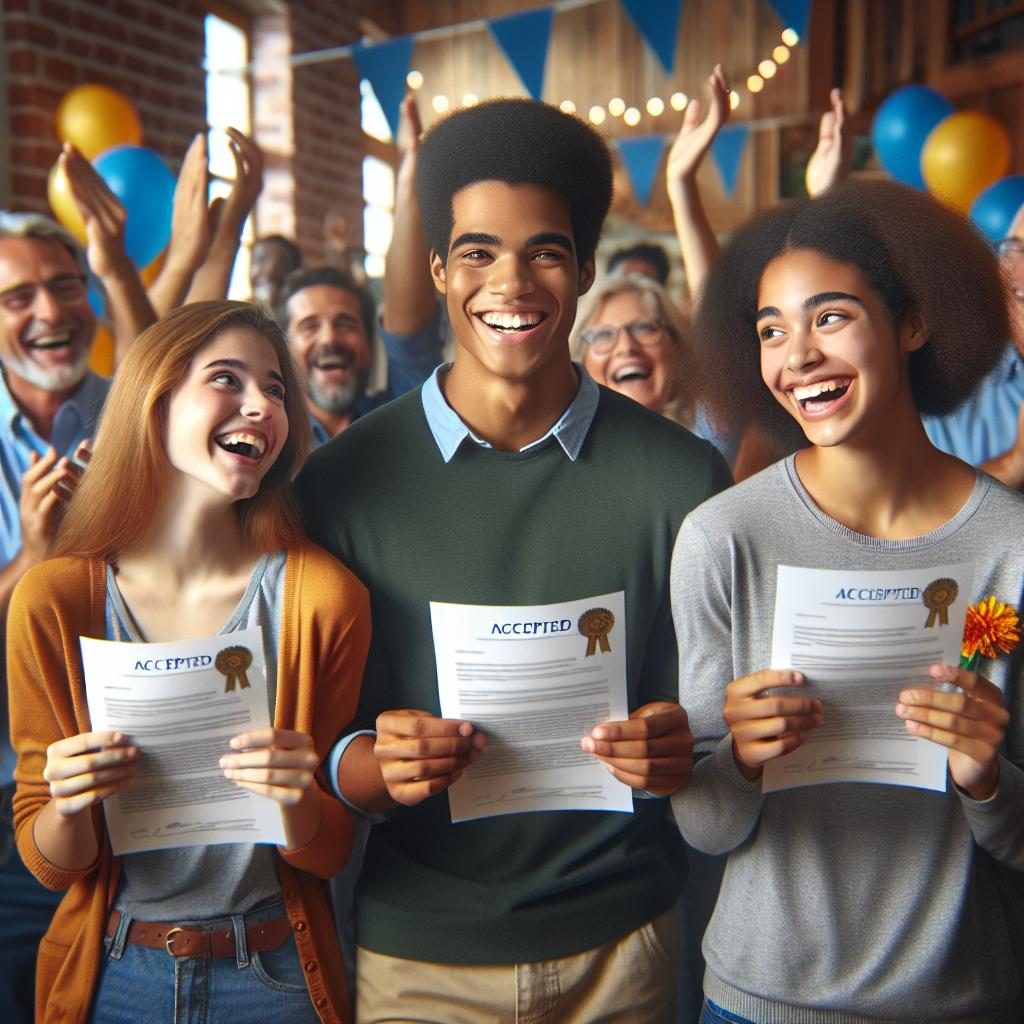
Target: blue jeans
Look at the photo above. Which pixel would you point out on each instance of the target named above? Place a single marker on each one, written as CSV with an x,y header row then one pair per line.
x,y
714,1014
25,911
138,983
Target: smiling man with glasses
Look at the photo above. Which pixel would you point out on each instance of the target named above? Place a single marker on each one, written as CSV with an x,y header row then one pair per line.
x,y
987,430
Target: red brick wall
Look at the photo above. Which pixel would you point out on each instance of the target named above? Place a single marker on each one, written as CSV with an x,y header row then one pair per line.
x,y
328,141
147,49
307,119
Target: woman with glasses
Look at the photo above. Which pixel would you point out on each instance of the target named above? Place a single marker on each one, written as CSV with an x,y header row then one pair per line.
x,y
632,339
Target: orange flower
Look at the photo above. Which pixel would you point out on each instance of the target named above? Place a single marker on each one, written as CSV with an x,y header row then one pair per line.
x,y
990,624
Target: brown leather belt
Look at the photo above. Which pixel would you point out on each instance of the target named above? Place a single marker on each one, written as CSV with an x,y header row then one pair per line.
x,y
181,941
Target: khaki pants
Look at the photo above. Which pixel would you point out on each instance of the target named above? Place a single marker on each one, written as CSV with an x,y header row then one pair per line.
x,y
628,981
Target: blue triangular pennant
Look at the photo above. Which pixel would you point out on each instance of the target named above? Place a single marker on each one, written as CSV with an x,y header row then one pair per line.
x,y
524,40
641,155
794,14
657,21
384,66
727,150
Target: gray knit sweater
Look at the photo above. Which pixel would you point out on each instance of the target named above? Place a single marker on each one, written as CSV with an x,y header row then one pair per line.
x,y
849,902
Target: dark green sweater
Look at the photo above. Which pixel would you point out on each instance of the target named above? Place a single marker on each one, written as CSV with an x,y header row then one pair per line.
x,y
509,528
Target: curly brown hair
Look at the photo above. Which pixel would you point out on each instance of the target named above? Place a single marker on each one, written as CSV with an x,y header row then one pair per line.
x,y
917,255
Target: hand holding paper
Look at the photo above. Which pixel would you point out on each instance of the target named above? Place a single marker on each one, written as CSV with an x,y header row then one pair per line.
x,y
763,725
279,764
420,755
971,722
651,751
85,769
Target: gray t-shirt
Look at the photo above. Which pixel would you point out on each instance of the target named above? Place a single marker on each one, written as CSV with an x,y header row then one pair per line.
x,y
198,882
847,902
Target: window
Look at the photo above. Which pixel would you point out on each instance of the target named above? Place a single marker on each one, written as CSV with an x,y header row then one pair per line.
x,y
228,104
378,212
378,184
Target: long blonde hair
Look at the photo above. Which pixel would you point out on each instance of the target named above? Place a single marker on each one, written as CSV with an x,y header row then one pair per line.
x,y
681,405
129,473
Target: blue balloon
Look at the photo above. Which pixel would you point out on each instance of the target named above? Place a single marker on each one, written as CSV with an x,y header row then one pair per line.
x,y
145,186
994,209
97,300
902,124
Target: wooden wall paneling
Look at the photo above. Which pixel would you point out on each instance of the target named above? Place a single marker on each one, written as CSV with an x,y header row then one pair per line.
x,y
820,74
905,63
936,18
856,57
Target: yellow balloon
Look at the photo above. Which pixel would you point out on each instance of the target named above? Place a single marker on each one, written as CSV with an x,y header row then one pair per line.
x,y
101,360
963,155
95,117
62,202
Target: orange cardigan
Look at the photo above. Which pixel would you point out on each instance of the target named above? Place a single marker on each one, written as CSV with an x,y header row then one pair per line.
x,y
325,634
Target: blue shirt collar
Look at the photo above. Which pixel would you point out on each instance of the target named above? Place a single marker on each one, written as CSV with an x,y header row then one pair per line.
x,y
86,403
1011,363
449,431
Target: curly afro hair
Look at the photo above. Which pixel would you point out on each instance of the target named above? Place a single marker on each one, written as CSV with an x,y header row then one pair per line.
x,y
916,254
519,142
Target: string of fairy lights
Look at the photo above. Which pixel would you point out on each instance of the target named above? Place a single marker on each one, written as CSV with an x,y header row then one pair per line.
x,y
655,106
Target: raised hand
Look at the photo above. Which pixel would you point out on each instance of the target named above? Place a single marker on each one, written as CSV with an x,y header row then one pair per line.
x,y
248,181
830,160
652,750
102,213
970,721
190,217
696,135
765,726
46,482
227,218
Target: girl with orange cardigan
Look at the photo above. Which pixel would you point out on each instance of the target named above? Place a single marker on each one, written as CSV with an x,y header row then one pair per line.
x,y
185,522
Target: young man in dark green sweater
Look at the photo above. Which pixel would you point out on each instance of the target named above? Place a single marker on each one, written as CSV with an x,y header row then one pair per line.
x,y
511,479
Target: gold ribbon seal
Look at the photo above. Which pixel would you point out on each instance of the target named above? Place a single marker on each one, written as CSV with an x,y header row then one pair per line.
x,y
937,598
232,663
595,625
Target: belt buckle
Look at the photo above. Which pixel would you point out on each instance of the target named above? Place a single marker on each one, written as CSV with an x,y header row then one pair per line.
x,y
169,940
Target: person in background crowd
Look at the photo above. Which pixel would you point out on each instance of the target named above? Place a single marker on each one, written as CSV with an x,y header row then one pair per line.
x,y
987,430
632,338
274,257
645,258
329,321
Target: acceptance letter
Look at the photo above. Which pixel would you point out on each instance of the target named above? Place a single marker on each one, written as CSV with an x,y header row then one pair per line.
x,y
536,680
859,638
181,703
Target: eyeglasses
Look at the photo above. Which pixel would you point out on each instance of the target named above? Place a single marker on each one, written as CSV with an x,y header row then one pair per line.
x,y
601,340
1010,250
66,289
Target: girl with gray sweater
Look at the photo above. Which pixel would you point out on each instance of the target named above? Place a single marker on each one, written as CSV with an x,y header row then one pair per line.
x,y
848,316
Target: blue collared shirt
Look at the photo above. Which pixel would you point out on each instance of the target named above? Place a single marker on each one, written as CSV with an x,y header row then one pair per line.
x,y
449,431
411,358
986,424
75,421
